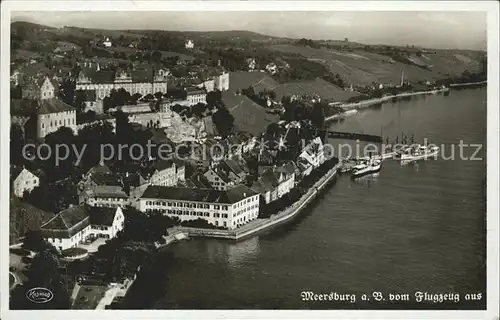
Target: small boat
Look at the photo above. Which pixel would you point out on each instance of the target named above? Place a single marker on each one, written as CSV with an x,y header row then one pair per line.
x,y
363,169
419,152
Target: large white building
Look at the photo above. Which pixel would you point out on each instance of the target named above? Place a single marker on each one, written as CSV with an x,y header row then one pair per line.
x,y
196,95
25,181
52,113
137,81
71,227
229,209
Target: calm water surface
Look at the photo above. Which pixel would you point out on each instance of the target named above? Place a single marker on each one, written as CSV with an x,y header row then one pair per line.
x,y
412,228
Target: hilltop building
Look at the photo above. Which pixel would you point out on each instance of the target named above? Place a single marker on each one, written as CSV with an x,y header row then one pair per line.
x,y
189,44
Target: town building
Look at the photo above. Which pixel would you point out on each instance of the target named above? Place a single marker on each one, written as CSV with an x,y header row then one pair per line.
x,y
271,68
313,153
251,64
40,88
164,173
100,187
71,227
274,182
67,229
225,173
91,103
107,43
133,108
105,222
54,114
101,120
196,95
106,196
228,209
189,44
24,181
137,81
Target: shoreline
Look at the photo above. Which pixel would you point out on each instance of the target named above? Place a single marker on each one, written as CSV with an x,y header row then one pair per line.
x,y
370,102
259,225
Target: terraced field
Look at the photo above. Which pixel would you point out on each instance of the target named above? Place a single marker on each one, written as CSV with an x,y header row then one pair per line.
x,y
361,67
261,80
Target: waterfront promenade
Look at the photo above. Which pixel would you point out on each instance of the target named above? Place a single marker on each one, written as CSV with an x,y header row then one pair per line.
x,y
259,225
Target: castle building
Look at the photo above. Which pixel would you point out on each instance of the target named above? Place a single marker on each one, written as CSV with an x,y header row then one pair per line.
x,y
138,81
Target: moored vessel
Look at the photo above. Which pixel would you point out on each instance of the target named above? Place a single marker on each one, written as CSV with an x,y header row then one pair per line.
x,y
363,169
419,152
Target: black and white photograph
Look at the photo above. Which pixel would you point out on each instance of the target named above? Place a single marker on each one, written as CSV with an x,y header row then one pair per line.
x,y
245,156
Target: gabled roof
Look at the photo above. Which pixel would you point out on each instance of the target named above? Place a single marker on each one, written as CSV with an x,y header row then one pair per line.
x,y
162,165
106,179
107,192
198,181
66,223
230,196
53,105
234,166
99,168
134,179
194,90
221,173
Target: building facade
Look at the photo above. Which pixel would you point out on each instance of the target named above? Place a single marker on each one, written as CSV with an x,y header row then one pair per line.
x,y
228,209
42,88
54,114
196,95
70,228
137,81
25,181
106,222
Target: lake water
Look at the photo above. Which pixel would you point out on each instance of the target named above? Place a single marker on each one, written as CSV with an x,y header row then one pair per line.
x,y
412,228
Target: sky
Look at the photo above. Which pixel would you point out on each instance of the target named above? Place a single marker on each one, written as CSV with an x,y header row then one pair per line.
x,y
436,29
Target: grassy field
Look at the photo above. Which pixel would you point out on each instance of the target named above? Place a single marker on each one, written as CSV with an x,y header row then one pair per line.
x,y
361,67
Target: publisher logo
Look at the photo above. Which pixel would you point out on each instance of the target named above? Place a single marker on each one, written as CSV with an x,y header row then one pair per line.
x,y
39,295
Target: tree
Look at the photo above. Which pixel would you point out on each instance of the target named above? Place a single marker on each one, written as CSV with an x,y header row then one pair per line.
x,y
272,129
16,145
68,91
223,121
79,100
34,241
42,273
16,92
213,98
158,95
199,109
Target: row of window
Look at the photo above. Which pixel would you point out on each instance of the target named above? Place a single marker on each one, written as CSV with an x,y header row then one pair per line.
x,y
54,124
187,205
245,210
190,213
